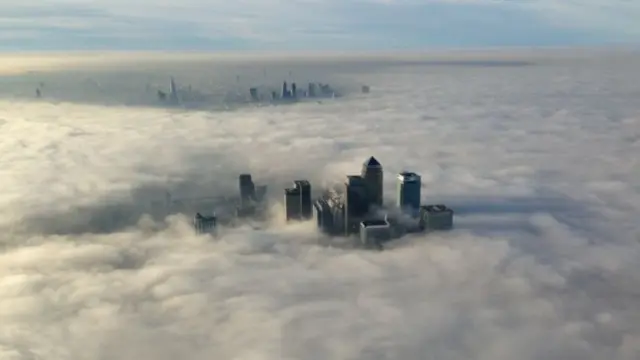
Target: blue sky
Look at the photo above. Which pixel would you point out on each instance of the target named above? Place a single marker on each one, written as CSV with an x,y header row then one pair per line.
x,y
313,24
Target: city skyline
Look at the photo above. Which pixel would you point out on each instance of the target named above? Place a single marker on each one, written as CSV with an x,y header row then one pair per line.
x,y
313,25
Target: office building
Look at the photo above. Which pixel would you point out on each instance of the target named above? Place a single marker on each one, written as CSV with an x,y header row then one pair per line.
x,y
372,174
436,217
306,205
254,94
311,92
356,202
260,193
409,192
204,224
292,204
373,233
294,90
285,91
330,213
247,190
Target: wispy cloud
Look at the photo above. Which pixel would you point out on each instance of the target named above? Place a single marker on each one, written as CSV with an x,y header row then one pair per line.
x,y
316,24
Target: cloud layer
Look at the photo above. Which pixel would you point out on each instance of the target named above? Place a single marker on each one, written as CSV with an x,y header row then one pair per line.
x,y
534,155
273,24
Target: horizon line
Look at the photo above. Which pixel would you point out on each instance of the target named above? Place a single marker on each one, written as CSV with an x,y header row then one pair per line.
x,y
390,51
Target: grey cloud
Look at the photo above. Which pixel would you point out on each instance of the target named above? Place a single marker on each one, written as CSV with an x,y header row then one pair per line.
x,y
534,158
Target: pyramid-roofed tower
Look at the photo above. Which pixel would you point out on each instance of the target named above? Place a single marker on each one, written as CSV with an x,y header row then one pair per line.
x,y
373,175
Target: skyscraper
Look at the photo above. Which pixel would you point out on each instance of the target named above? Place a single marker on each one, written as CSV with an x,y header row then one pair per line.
x,y
409,192
311,92
285,92
292,204
247,189
294,90
356,202
254,94
173,92
204,224
306,205
373,176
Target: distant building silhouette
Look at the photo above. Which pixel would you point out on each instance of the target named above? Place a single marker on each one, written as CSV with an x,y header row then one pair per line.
x,y
294,93
254,94
311,92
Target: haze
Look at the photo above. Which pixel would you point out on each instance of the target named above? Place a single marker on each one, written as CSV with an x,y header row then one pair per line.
x,y
534,152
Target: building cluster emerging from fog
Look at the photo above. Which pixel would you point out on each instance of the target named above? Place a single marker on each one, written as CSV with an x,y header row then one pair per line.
x,y
354,209
288,93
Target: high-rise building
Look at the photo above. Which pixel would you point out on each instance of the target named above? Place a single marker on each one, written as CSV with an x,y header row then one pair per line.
x,y
292,204
247,189
373,233
294,90
409,192
173,92
306,205
204,224
285,92
260,193
254,94
311,92
356,202
372,174
436,217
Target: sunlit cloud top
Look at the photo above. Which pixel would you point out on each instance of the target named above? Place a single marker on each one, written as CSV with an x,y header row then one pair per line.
x,y
313,24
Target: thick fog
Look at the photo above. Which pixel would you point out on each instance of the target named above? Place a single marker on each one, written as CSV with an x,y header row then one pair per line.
x,y
537,156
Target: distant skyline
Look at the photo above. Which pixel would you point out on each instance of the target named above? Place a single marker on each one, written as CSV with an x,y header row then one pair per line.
x,y
314,24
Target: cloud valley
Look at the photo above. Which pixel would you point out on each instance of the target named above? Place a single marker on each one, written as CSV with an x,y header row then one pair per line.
x,y
535,159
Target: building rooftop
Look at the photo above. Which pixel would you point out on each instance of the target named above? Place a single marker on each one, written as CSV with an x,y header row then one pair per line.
x,y
292,191
372,162
374,223
302,182
201,217
354,179
408,176
436,208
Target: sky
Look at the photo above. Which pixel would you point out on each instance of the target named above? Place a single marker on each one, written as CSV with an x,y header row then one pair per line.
x,y
313,24
532,155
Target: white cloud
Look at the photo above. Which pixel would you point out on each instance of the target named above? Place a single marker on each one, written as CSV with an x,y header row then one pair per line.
x,y
534,158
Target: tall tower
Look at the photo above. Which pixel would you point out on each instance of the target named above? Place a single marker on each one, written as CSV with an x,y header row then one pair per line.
x,y
173,91
292,203
247,189
356,203
409,192
285,92
294,90
373,176
306,206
